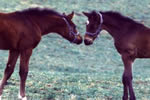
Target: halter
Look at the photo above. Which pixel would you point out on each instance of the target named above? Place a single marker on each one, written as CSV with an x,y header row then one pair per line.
x,y
99,27
71,32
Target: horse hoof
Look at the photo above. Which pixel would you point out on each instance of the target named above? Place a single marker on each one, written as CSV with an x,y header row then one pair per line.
x,y
133,98
125,98
21,98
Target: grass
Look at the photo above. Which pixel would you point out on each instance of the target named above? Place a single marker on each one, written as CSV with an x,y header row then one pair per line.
x,y
63,71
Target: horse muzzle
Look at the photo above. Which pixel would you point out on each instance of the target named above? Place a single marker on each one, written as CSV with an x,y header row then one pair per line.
x,y
88,41
78,40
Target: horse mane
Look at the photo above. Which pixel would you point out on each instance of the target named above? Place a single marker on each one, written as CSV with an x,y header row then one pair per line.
x,y
120,17
39,11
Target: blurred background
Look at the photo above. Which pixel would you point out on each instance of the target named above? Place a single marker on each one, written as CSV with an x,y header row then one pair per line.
x,y
63,71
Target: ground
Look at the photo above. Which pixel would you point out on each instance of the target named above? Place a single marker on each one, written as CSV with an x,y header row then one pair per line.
x,y
63,71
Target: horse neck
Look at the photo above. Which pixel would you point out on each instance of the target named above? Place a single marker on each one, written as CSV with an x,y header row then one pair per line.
x,y
112,26
47,24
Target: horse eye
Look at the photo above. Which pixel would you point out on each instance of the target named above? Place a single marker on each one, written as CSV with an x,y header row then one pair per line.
x,y
87,22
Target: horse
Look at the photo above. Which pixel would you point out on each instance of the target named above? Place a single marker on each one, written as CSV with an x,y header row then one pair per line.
x,y
21,32
131,39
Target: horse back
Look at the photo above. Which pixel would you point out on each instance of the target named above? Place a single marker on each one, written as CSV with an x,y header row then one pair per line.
x,y
18,32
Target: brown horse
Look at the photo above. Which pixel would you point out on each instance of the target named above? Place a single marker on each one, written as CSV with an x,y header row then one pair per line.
x,y
131,39
21,32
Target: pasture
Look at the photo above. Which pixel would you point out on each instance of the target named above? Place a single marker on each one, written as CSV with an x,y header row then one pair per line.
x,y
62,71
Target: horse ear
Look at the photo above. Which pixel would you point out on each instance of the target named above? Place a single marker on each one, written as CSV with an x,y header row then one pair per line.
x,y
70,16
86,14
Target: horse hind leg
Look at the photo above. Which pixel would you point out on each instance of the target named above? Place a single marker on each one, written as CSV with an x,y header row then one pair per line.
x,y
12,59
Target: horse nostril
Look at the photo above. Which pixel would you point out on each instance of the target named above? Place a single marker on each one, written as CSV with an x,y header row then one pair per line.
x,y
80,40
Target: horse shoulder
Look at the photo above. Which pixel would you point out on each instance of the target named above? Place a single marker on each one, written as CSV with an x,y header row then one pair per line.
x,y
126,45
29,40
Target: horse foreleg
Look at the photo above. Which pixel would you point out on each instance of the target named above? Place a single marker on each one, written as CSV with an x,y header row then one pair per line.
x,y
125,88
24,62
127,78
13,56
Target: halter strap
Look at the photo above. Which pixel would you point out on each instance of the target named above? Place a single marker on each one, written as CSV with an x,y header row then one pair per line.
x,y
99,27
101,18
71,32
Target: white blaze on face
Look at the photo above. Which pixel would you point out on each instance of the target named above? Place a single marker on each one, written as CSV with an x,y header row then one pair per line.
x,y
87,22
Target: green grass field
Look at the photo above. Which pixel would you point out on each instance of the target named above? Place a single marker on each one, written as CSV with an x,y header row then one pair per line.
x,y
63,71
